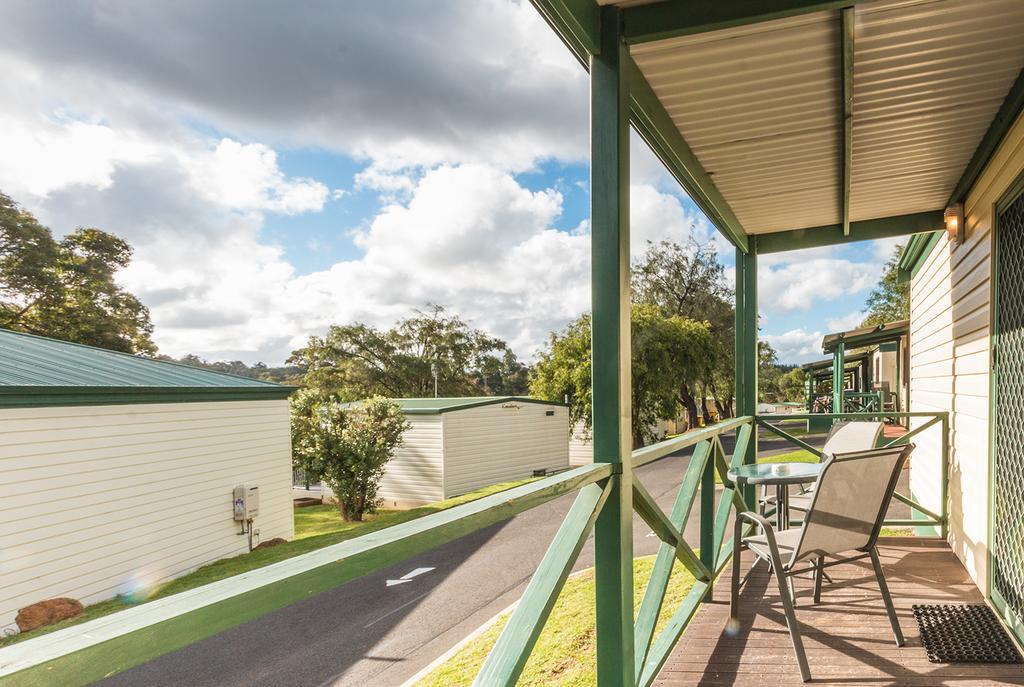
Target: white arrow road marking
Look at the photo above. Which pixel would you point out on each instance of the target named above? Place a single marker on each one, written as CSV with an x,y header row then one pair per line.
x,y
407,577
651,534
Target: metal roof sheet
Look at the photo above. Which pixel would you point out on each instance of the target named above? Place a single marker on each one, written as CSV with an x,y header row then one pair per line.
x,y
866,336
760,105
28,361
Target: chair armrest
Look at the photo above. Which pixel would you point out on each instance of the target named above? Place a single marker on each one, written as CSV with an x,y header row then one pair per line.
x,y
769,533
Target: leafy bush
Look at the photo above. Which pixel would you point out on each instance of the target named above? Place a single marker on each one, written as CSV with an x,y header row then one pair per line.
x,y
347,444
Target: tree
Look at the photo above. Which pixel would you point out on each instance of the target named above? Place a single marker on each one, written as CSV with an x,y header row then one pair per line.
x,y
286,374
793,384
690,282
347,445
667,354
768,373
66,289
358,360
890,300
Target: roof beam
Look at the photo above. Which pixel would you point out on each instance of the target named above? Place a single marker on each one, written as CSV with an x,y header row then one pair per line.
x,y
655,126
661,20
1008,113
865,230
576,22
846,25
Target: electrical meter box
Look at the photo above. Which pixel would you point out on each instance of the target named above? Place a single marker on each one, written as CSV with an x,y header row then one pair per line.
x,y
246,502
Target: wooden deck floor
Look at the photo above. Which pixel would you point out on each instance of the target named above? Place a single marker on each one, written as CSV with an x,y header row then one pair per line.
x,y
848,638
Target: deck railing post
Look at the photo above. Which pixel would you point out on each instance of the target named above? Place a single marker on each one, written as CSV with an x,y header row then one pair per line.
x,y
611,401
838,377
746,347
707,515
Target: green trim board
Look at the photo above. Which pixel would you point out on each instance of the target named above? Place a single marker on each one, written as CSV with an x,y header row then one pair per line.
x,y
43,397
863,230
914,255
661,20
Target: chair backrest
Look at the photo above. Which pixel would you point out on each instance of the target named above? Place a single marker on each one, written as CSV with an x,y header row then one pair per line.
x,y
847,437
850,501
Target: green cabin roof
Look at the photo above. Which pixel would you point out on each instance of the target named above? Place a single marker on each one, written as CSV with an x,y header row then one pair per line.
x,y
36,371
434,406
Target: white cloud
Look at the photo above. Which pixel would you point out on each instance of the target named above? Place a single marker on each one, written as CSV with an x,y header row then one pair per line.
x,y
247,177
796,345
399,84
846,322
799,281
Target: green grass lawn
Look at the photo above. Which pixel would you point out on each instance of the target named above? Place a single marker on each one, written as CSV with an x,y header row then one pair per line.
x,y
315,528
565,653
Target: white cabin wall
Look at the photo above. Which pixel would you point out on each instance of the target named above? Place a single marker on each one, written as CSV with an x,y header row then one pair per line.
x,y
501,442
101,500
949,359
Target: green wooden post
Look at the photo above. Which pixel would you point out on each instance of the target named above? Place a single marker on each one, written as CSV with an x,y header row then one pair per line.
x,y
838,377
707,515
746,347
610,293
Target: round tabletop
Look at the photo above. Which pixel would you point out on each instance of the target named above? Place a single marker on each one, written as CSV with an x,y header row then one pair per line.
x,y
775,473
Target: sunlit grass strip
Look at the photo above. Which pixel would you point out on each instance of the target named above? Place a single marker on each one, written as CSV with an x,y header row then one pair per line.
x,y
565,653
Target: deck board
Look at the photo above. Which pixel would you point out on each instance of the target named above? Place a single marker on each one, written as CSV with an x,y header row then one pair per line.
x,y
848,639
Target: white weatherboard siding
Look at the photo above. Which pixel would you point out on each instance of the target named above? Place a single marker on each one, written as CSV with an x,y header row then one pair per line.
x,y
101,500
949,359
414,475
501,442
581,446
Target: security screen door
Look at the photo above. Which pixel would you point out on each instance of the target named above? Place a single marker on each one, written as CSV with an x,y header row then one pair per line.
x,y
1007,479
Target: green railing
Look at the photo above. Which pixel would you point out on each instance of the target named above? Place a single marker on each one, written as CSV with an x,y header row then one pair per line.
x,y
862,402
149,630
507,659
930,518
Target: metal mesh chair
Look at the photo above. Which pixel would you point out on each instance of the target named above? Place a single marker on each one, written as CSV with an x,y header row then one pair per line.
x,y
844,437
845,517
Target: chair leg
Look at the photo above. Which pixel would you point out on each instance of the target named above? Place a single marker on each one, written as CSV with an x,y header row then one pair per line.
x,y
819,575
737,551
886,597
794,629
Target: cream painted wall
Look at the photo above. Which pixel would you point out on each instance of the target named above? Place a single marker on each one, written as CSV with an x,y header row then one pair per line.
x,y
101,500
502,442
949,359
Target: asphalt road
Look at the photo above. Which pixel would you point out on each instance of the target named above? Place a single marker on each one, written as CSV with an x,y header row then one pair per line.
x,y
367,632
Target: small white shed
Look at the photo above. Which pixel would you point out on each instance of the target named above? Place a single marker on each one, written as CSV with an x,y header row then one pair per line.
x,y
456,445
117,472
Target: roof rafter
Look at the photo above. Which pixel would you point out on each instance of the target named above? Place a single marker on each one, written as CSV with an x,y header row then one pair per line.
x,y
864,230
661,20
846,32
655,126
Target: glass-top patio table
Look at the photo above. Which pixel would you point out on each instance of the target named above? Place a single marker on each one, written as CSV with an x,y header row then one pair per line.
x,y
781,475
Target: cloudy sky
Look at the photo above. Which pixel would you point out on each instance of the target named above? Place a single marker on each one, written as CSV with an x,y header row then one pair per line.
x,y
280,167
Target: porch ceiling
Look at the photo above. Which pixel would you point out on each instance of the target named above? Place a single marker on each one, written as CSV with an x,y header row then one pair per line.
x,y
761,105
